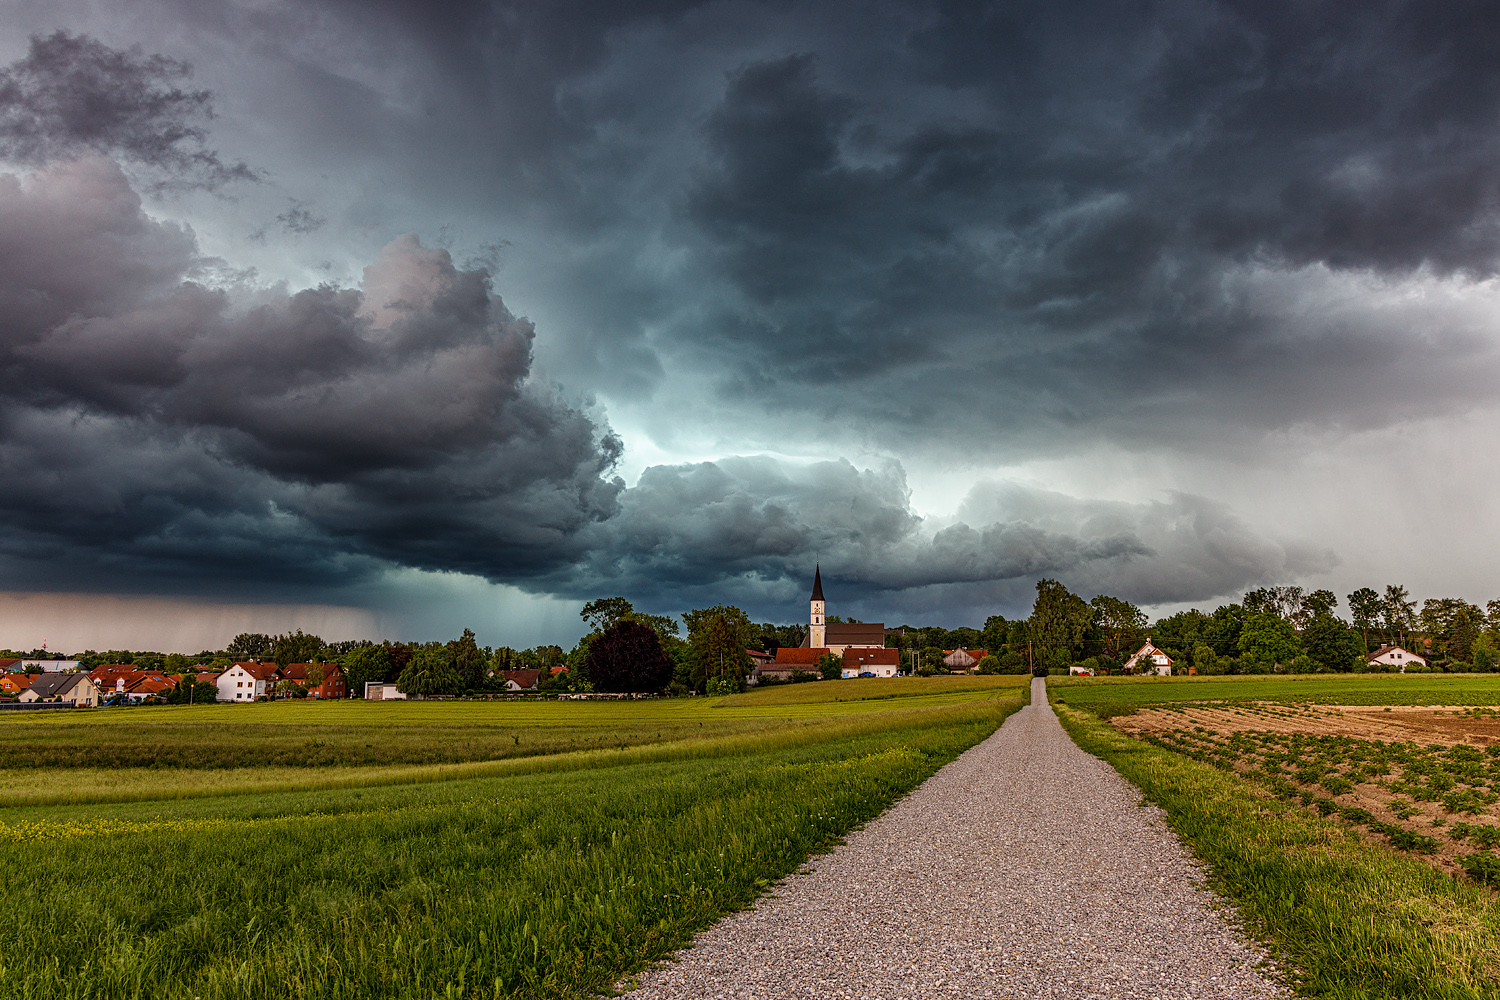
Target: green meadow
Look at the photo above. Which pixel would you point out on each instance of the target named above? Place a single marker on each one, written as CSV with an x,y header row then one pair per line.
x,y
493,872
1107,697
1354,916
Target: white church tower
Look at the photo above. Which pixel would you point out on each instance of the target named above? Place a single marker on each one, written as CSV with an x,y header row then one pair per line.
x,y
817,629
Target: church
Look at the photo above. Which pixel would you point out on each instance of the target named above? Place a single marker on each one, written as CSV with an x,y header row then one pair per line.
x,y
861,645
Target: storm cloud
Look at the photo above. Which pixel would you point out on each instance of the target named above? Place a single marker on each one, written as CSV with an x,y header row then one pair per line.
x,y
172,421
1211,242
753,525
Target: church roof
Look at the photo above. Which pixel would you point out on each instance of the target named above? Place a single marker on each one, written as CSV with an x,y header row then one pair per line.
x,y
817,594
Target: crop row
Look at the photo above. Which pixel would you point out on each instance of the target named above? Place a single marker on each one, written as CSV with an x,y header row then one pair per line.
x,y
1331,774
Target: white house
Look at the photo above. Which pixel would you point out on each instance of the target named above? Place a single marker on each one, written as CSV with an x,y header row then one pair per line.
x,y
861,662
1394,656
1150,659
246,681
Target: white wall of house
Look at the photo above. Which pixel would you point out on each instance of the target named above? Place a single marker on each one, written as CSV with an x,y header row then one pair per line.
x,y
1398,657
238,684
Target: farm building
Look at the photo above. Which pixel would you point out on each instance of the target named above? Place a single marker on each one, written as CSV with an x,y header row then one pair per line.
x,y
963,659
1149,659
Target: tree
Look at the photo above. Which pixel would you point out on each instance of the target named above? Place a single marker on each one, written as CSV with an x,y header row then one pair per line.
x,y
719,637
1364,608
1319,602
1121,623
989,664
1454,624
1059,622
1269,638
1397,614
995,633
190,692
297,647
830,667
468,661
1205,660
364,664
1483,655
428,673
628,656
251,645
1331,643
604,612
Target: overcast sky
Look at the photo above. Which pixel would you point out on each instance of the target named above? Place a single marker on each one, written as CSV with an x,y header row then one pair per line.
x,y
389,318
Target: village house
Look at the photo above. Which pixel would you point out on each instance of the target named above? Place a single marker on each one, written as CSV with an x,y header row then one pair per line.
x,y
73,689
521,680
863,662
246,681
1150,660
963,660
790,661
14,683
1394,656
331,684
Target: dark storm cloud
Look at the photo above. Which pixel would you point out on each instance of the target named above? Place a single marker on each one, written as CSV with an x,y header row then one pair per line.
x,y
71,94
1063,249
168,428
991,231
752,527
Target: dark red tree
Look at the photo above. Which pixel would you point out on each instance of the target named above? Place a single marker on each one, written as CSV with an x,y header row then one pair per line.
x,y
628,657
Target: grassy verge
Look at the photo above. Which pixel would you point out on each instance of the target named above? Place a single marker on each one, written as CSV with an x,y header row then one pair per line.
x,y
550,884
1110,696
1355,920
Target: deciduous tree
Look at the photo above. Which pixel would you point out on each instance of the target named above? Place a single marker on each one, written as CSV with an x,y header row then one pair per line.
x,y
627,657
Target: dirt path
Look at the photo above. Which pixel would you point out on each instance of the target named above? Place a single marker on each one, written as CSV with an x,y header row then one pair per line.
x,y
1026,868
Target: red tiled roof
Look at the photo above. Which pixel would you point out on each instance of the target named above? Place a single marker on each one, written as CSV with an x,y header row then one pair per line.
x,y
872,658
523,678
801,655
7,664
260,671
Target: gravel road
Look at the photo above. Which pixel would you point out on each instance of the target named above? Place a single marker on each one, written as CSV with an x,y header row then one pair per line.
x,y
1026,868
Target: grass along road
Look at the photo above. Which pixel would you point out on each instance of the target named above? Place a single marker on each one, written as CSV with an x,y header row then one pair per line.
x,y
552,883
1356,918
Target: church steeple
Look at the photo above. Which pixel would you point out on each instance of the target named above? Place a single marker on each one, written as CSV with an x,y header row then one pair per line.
x,y
817,630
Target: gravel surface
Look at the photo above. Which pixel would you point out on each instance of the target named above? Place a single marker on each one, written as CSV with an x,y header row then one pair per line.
x,y
1026,868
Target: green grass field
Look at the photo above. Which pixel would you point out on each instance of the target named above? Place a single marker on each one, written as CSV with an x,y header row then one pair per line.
x,y
1356,916
1107,697
547,876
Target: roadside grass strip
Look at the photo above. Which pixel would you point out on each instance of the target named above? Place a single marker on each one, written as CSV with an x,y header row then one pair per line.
x,y
545,884
1355,919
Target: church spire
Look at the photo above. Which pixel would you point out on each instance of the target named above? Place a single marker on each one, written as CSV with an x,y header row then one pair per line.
x,y
817,629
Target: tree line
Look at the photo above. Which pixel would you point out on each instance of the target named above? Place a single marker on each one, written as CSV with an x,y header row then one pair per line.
x,y
705,650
